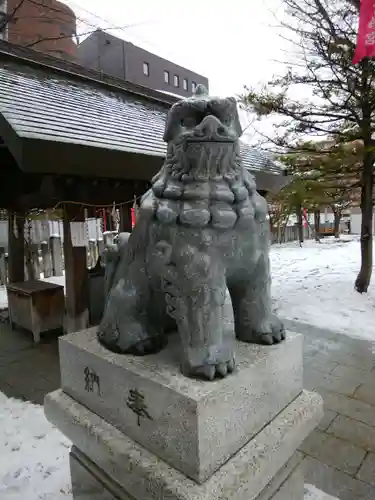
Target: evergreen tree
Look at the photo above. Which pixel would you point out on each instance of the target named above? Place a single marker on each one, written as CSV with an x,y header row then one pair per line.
x,y
340,97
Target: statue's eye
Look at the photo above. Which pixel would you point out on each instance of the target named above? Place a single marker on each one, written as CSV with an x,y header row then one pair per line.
x,y
189,122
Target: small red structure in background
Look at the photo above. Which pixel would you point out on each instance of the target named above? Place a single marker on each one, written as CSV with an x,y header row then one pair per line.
x,y
133,217
134,212
305,224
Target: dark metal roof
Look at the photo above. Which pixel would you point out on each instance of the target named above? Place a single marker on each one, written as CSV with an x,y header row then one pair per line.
x,y
44,105
39,105
34,58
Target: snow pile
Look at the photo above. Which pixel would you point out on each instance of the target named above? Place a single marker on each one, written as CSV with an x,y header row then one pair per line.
x,y
315,284
311,493
34,458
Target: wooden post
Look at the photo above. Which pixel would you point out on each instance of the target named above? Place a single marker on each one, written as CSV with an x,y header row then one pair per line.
x,y
76,275
16,249
3,268
125,218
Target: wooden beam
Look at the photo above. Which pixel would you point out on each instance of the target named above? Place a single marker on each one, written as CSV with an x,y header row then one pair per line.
x,y
125,219
76,274
16,250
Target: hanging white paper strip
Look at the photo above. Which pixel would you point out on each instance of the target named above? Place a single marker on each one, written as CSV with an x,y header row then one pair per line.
x,y
79,236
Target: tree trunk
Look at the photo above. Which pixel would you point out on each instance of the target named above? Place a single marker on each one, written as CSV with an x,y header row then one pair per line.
x,y
300,223
364,277
337,219
317,224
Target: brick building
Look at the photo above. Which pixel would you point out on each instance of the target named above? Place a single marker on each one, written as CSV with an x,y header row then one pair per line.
x,y
44,25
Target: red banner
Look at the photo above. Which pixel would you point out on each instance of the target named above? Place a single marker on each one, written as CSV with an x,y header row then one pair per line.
x,y
133,217
366,31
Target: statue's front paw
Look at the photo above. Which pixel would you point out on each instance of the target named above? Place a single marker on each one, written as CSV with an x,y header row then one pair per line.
x,y
271,332
209,362
130,338
209,372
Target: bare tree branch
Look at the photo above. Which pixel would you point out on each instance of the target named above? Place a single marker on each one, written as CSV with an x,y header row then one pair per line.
x,y
339,107
9,17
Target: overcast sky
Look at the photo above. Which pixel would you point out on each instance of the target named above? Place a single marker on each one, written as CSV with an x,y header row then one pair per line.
x,y
232,42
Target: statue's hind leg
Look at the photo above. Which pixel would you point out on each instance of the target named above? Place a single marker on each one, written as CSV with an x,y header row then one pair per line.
x,y
251,301
126,326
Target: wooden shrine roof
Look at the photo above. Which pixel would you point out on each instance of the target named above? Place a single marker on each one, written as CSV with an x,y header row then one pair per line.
x,y
57,117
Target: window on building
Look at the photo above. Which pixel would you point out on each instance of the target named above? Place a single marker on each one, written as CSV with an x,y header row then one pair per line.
x,y
176,81
193,86
186,84
167,77
146,69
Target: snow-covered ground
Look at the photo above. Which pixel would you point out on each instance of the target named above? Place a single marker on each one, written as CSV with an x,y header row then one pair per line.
x,y
34,457
312,493
315,284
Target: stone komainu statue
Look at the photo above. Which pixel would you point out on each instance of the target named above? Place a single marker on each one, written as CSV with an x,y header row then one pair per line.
x,y
202,229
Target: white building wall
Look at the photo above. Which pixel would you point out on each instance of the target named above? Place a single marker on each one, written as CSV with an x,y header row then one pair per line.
x,y
356,220
355,223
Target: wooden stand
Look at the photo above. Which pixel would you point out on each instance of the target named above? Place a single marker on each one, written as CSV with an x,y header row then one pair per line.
x,y
37,306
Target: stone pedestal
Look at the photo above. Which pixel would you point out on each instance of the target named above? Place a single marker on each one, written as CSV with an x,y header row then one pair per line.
x,y
143,431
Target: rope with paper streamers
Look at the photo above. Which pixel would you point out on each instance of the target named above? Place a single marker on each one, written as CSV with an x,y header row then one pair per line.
x,y
37,213
111,205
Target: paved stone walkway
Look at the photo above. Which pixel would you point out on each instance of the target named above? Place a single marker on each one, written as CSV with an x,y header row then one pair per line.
x,y
338,458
